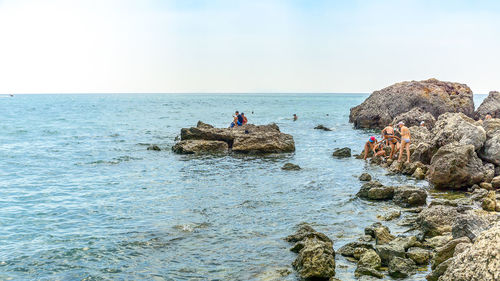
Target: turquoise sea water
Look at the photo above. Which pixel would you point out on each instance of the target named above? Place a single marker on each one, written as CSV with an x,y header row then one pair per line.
x,y
82,199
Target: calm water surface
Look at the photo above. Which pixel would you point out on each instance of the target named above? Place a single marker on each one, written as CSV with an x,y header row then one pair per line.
x,y
82,199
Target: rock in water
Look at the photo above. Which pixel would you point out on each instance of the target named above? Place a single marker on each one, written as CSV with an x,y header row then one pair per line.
x,y
367,177
290,167
436,220
456,166
321,127
401,267
200,147
245,139
342,152
374,190
478,262
409,196
418,255
381,233
316,257
154,147
370,259
433,96
490,105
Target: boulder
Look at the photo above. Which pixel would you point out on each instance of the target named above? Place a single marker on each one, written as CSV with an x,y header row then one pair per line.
x,y
370,259
348,249
409,196
200,147
367,177
321,127
374,190
489,202
342,152
480,261
490,105
456,166
486,185
469,225
437,241
380,232
418,174
316,257
362,270
388,251
433,96
438,271
436,220
244,139
414,117
456,127
154,147
491,149
418,255
445,252
290,167
402,267
495,182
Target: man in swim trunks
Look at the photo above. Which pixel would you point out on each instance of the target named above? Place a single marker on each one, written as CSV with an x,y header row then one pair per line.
x,y
390,138
405,141
373,145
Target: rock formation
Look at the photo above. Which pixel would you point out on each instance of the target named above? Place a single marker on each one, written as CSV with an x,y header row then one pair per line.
x,y
490,105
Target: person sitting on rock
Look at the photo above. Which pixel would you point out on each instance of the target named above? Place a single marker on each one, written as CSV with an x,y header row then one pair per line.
x,y
375,146
405,141
390,138
237,120
245,120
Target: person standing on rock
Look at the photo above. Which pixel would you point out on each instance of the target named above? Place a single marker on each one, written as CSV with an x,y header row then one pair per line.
x,y
390,138
405,141
375,146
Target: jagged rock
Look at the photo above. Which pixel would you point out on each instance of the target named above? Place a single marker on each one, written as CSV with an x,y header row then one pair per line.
x,y
367,177
437,241
460,248
414,117
491,149
418,174
418,255
381,233
478,194
438,271
321,127
390,216
480,261
486,185
406,241
433,96
200,147
422,151
244,139
436,220
495,182
469,225
456,127
362,270
370,259
409,196
348,249
388,251
402,267
358,252
489,202
445,252
342,152
290,167
316,257
154,147
374,190
456,166
490,105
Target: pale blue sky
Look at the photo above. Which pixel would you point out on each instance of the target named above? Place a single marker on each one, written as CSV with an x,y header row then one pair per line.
x,y
106,46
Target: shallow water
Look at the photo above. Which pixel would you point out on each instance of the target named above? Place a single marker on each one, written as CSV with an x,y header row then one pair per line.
x,y
82,199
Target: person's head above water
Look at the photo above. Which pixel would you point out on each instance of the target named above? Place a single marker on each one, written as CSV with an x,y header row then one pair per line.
x,y
372,139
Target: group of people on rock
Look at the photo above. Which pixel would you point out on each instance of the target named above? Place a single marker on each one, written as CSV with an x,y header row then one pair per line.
x,y
397,139
238,120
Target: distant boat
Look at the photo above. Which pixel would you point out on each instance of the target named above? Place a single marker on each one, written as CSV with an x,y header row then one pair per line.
x,y
11,95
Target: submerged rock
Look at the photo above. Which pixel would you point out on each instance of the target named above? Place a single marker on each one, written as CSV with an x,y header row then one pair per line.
x,y
154,147
374,190
244,139
480,261
321,127
342,152
290,167
433,96
368,177
490,105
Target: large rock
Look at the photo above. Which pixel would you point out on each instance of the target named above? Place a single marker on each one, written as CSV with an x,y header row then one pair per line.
x,y
409,196
469,225
433,96
490,105
480,261
370,259
489,201
381,233
445,252
316,257
436,220
348,249
456,127
200,147
456,166
418,255
491,149
342,152
245,139
414,117
390,250
401,267
374,190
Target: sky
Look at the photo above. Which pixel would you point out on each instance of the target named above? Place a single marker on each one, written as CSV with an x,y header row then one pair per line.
x,y
236,46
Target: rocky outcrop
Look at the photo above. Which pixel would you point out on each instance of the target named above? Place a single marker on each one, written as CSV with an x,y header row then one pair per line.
x,y
250,138
316,257
432,96
457,127
445,252
368,177
321,127
436,220
290,167
409,196
414,117
480,261
374,190
469,225
456,166
490,105
342,152
491,149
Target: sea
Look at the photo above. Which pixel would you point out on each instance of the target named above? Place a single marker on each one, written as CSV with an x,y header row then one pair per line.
x,y
81,197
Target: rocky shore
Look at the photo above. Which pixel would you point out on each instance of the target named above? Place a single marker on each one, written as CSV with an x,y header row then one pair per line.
x,y
458,237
